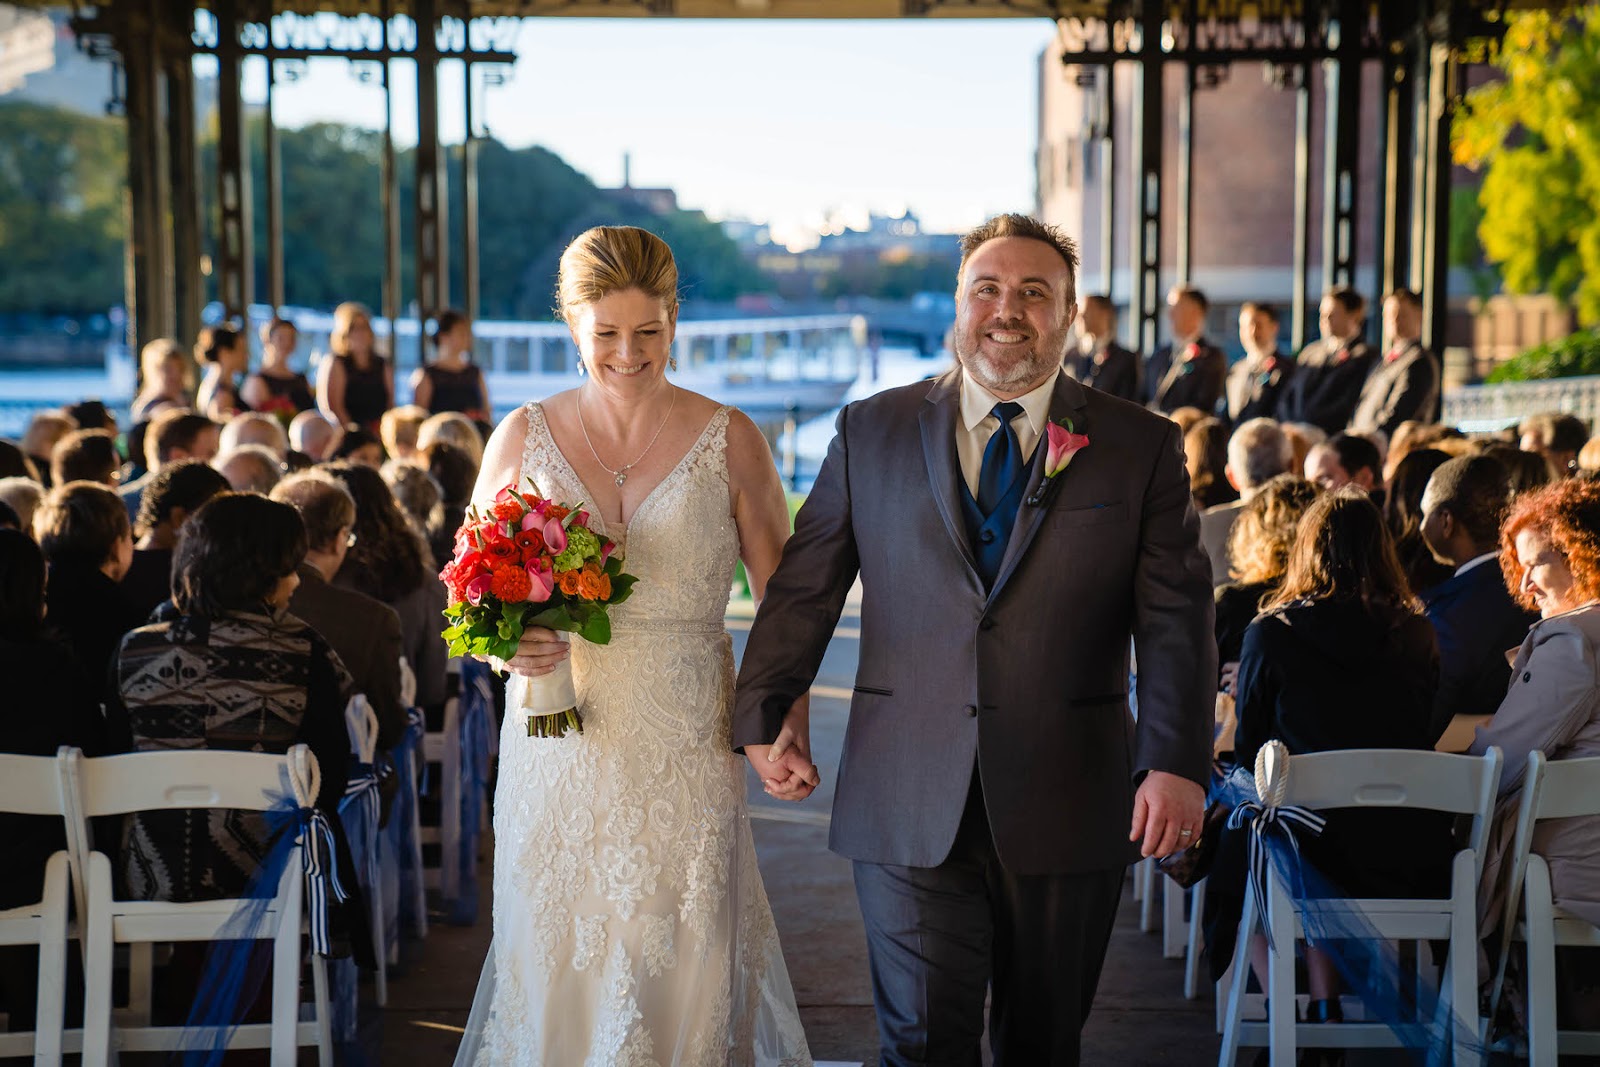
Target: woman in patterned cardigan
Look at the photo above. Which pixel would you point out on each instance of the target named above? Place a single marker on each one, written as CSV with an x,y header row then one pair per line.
x,y
226,668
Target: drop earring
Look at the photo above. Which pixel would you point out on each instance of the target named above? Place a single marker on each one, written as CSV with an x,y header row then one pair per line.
x,y
583,370
672,362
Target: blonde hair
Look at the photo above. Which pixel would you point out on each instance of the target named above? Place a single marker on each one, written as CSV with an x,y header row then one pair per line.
x,y
452,428
1264,531
612,259
344,317
399,427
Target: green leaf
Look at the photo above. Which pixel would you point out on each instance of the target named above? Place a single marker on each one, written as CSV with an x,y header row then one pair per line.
x,y
597,630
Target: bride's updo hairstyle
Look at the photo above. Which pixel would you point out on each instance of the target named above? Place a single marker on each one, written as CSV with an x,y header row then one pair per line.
x,y
612,259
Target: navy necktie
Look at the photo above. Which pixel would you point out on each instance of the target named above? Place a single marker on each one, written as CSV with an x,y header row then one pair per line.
x,y
1002,460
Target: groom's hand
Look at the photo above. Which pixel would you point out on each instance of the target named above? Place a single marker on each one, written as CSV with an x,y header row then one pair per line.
x,y
785,766
1166,805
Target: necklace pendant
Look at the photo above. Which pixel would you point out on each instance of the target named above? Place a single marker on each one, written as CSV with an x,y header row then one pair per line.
x,y
622,476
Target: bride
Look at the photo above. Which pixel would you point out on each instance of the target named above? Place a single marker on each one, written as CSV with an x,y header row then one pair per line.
x,y
631,928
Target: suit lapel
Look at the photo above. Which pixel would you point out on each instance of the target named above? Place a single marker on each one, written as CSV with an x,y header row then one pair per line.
x,y
1066,402
938,422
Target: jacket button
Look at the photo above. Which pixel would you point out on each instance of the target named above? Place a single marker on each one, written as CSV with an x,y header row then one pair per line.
x,y
986,537
1527,676
985,623
971,710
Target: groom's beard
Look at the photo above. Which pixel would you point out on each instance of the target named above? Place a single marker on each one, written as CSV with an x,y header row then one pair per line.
x,y
1034,363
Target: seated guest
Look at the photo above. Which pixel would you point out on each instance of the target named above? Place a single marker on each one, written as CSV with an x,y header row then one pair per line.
x,y
456,474
1528,470
1550,556
1100,362
1190,371
227,668
1404,384
1589,456
360,446
399,428
8,518
176,493
1344,460
93,415
22,495
1412,436
1339,659
417,494
311,434
164,379
1258,554
39,440
83,529
1257,382
391,561
254,428
455,429
1205,449
1557,437
14,463
1402,513
1330,372
49,702
1303,437
251,469
174,434
364,632
1472,612
85,456
1257,452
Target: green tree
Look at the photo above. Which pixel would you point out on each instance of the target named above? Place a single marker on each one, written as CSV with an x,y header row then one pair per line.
x,y
1536,136
62,177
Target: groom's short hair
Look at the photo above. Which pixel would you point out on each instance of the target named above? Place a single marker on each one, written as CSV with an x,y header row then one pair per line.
x,y
1014,225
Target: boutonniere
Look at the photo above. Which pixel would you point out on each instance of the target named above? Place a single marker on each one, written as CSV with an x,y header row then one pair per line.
x,y
1341,355
1062,442
1268,373
1192,351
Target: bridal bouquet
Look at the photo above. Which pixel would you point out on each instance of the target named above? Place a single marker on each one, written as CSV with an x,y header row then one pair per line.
x,y
528,561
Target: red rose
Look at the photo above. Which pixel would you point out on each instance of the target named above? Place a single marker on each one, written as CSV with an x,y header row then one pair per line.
x,y
530,543
500,549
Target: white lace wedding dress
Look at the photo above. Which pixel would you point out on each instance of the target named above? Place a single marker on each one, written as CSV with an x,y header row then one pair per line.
x,y
631,928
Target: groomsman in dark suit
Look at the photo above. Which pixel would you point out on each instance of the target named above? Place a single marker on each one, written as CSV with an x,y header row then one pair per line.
x,y
1405,383
1472,612
1188,372
1257,382
1099,362
1331,372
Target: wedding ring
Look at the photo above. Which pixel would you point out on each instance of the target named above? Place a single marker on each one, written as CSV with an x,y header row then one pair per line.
x,y
1185,833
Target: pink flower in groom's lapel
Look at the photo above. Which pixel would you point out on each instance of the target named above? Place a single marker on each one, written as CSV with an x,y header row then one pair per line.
x,y
1060,444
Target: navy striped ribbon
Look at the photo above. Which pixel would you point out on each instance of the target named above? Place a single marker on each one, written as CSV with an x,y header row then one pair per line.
x,y
1265,819
362,788
319,858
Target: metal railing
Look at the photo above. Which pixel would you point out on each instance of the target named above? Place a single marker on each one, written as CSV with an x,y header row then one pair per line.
x,y
1480,408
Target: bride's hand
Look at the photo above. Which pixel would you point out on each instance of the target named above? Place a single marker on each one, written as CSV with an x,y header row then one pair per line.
x,y
785,766
538,652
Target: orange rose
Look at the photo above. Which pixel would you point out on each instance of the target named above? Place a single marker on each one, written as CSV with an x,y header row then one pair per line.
x,y
605,586
589,583
568,582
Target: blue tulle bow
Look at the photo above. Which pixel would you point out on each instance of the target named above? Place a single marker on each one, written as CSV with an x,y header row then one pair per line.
x,y
1268,821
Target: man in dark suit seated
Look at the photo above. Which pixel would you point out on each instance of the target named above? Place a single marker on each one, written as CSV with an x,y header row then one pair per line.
x,y
364,631
1330,373
1404,385
1099,361
1472,613
1257,382
1188,372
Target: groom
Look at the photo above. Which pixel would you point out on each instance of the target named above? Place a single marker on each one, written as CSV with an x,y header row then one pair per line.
x,y
991,769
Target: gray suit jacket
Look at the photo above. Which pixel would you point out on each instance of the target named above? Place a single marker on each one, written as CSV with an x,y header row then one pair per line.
x,y
365,633
1029,681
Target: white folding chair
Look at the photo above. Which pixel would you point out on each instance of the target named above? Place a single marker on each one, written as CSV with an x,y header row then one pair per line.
x,y
36,785
157,781
1192,951
362,722
1552,789
444,748
1374,778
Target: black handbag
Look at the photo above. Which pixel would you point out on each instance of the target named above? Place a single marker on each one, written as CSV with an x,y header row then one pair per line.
x,y
1189,865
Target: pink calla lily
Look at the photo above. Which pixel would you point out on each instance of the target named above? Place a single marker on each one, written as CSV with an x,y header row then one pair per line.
x,y
1060,445
581,519
532,521
477,588
606,548
555,537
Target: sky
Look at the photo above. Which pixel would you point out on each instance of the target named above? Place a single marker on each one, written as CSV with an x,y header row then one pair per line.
x,y
785,122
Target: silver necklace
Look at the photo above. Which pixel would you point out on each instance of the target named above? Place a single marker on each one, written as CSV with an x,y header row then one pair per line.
x,y
620,475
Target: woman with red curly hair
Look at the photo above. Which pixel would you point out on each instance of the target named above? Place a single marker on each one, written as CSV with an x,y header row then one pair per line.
x,y
1550,553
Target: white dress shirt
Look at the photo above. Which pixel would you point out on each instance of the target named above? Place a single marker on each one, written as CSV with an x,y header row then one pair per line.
x,y
977,424
1475,561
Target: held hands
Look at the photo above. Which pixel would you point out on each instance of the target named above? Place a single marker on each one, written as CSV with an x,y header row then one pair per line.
x,y
538,652
1165,805
785,766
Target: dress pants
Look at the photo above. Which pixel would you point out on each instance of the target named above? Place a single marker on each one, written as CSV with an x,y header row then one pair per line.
x,y
940,937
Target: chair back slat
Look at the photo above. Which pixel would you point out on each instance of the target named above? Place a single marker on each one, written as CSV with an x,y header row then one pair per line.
x,y
1570,787
31,785
362,723
1394,778
196,778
